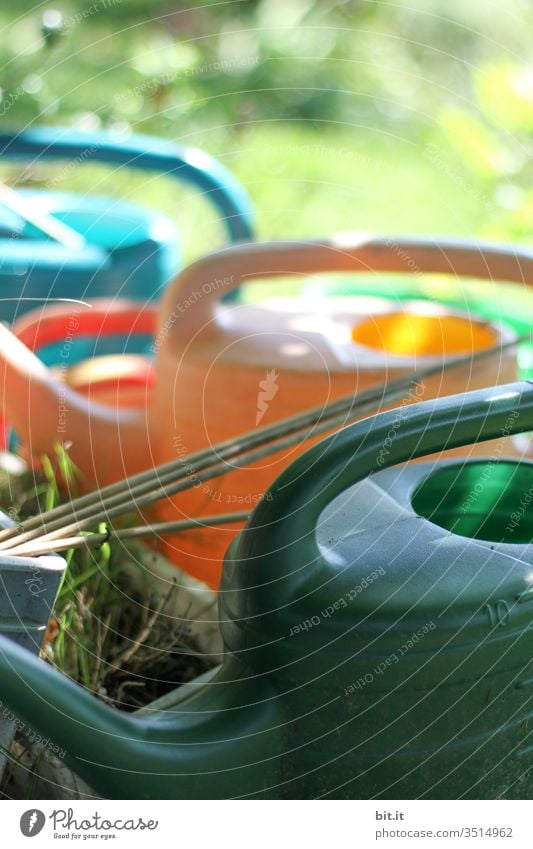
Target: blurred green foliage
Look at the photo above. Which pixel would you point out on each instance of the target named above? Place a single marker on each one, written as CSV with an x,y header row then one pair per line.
x,y
399,115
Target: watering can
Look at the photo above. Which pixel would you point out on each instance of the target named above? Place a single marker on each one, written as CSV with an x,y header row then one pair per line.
x,y
28,588
372,650
59,334
223,368
55,244
66,337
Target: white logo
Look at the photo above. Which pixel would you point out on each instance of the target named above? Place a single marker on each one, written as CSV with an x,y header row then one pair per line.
x,y
268,389
32,822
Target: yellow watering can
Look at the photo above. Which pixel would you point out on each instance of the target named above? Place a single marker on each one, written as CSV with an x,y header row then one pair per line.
x,y
224,367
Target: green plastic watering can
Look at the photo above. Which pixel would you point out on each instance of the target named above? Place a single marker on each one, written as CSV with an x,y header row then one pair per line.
x,y
377,626
28,588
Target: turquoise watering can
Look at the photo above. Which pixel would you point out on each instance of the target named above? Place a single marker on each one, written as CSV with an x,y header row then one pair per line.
x,y
377,632
62,245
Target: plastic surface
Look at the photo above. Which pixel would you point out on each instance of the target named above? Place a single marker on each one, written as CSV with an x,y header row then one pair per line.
x,y
240,366
65,335
75,342
286,717
497,304
223,368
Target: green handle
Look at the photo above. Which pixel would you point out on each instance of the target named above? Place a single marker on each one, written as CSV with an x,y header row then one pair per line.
x,y
288,514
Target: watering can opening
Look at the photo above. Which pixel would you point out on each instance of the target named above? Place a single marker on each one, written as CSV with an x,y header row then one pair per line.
x,y
408,333
480,499
110,223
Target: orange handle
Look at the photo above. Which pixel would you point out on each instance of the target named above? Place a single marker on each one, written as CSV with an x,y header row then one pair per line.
x,y
44,411
189,302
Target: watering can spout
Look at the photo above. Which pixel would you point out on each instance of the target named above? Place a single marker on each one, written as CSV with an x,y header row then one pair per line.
x,y
44,411
82,727
183,752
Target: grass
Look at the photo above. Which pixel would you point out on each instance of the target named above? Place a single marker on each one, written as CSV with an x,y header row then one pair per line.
x,y
109,632
304,182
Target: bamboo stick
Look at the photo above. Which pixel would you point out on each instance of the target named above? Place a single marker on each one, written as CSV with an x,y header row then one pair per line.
x,y
127,491
178,475
38,547
106,513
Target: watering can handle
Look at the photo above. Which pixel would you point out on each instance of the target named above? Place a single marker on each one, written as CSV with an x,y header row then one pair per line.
x,y
203,283
146,153
289,513
38,328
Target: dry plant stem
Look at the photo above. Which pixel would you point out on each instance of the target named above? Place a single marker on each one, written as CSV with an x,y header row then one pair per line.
x,y
101,634
127,492
130,488
138,491
19,548
174,470
130,498
42,546
123,658
30,548
235,445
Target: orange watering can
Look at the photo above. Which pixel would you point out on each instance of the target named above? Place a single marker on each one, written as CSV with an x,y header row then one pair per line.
x,y
223,368
68,338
